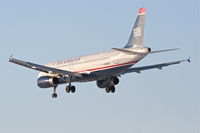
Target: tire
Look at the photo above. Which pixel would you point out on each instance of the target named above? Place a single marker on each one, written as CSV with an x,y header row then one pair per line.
x,y
54,95
67,89
112,89
107,89
73,89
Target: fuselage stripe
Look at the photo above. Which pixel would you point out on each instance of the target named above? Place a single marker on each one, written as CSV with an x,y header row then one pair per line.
x,y
112,66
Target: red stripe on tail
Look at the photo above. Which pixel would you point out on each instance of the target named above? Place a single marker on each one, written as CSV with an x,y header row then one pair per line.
x,y
142,10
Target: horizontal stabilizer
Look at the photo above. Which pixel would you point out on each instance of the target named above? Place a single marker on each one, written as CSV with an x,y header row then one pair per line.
x,y
163,50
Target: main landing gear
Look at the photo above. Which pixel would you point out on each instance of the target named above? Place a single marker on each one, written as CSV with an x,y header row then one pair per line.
x,y
68,89
110,89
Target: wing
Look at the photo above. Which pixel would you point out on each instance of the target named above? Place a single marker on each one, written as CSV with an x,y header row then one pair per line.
x,y
44,68
158,66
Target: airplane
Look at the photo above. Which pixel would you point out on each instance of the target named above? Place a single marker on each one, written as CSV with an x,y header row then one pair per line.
x,y
105,68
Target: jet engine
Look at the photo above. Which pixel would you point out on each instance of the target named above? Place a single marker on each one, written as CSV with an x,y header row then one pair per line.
x,y
47,81
107,82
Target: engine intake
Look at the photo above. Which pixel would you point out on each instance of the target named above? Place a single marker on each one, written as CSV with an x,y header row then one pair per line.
x,y
47,81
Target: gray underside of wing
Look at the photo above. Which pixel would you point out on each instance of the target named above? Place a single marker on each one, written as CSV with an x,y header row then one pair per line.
x,y
44,68
158,66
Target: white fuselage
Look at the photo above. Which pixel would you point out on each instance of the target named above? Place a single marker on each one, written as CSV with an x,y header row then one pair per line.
x,y
113,62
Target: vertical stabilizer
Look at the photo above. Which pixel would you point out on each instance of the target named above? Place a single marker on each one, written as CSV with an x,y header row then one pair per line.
x,y
137,34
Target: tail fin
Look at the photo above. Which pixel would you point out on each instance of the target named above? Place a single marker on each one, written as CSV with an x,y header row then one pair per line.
x,y
137,34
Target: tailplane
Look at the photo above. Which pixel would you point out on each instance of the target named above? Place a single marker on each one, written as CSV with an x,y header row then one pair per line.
x,y
137,34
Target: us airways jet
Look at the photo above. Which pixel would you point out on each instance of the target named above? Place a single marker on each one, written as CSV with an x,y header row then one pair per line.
x,y
105,68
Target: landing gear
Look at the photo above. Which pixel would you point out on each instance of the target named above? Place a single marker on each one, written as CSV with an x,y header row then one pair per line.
x,y
107,90
73,89
70,89
110,89
54,94
67,89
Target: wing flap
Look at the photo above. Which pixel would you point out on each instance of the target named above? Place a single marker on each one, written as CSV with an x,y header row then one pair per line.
x,y
44,68
158,66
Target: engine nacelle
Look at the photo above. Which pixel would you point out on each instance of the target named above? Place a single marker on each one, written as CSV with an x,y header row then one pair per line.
x,y
115,81
107,82
47,81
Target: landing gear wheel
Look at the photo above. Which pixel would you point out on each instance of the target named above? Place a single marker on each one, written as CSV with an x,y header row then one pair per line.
x,y
107,89
73,89
112,89
70,89
67,89
54,95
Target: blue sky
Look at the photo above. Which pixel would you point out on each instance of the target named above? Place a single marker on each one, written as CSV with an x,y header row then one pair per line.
x,y
154,101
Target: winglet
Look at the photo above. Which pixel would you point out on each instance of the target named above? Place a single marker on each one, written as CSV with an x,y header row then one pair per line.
x,y
10,58
189,59
142,11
